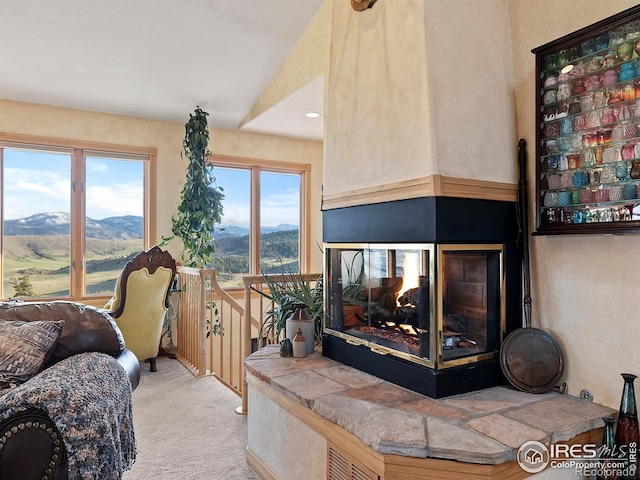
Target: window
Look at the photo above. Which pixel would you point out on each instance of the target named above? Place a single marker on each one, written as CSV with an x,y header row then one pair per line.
x,y
72,216
279,222
111,227
264,219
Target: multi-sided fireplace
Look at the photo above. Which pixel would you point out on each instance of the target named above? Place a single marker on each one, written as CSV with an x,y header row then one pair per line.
x,y
421,292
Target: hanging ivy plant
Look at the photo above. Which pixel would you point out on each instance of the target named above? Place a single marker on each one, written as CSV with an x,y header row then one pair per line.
x,y
200,209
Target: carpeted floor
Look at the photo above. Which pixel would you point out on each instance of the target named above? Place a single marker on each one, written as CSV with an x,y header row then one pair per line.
x,y
186,428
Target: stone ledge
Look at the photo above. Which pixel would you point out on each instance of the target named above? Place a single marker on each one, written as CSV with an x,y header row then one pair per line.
x,y
483,427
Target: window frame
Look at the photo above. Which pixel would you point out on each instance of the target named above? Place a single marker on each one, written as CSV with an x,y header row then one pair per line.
x,y
256,167
81,149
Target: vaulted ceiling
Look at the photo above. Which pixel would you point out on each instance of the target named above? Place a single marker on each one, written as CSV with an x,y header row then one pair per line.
x,y
157,58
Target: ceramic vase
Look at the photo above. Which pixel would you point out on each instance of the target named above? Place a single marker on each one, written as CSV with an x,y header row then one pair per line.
x,y
627,72
608,446
301,320
627,429
621,170
609,78
286,349
299,345
625,51
629,192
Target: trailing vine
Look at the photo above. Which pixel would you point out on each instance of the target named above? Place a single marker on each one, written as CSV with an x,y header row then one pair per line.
x,y
200,209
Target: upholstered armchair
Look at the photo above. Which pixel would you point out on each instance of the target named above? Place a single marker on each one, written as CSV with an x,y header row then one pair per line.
x,y
71,414
141,300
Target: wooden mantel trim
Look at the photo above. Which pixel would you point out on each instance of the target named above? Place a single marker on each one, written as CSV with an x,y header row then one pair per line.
x,y
429,186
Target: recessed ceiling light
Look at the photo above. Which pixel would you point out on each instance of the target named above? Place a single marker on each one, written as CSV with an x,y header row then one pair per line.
x,y
312,114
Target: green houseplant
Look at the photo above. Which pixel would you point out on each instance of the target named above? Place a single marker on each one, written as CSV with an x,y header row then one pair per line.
x,y
200,208
286,295
290,290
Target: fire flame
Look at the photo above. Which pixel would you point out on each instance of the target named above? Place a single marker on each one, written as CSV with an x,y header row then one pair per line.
x,y
408,329
410,273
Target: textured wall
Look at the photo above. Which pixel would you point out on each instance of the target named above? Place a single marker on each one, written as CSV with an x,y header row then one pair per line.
x,y
585,288
377,126
471,86
419,87
287,446
42,120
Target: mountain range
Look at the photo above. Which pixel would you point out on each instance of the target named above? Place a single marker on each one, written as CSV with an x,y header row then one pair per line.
x,y
58,223
124,227
223,231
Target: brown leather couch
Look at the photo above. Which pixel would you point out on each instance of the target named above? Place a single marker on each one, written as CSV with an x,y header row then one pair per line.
x,y
31,445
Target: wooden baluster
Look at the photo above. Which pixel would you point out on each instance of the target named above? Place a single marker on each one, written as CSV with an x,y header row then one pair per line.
x,y
246,348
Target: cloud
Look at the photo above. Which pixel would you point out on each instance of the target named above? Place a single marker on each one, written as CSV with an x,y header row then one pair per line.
x,y
97,166
275,210
236,214
114,200
280,207
289,198
272,216
30,191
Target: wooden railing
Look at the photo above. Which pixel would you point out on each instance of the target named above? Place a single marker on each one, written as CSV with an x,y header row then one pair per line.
x,y
203,308
254,301
201,304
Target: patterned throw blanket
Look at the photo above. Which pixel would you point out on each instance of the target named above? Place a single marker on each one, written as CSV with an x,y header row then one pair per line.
x,y
88,396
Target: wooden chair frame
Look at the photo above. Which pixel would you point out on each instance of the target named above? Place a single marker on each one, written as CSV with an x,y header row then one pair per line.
x,y
152,259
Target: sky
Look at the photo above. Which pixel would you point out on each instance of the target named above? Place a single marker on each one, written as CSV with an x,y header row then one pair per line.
x,y
37,182
279,197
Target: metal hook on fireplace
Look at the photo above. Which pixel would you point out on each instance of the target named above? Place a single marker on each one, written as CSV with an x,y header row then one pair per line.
x,y
562,388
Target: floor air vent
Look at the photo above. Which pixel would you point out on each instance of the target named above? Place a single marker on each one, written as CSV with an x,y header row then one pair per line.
x,y
342,467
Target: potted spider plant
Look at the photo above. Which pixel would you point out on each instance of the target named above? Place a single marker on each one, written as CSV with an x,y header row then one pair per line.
x,y
292,291
287,295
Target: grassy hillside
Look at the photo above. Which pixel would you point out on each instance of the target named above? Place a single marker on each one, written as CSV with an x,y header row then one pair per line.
x,y
45,259
276,249
282,244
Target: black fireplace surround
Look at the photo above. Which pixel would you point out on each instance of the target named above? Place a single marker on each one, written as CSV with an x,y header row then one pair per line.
x,y
438,221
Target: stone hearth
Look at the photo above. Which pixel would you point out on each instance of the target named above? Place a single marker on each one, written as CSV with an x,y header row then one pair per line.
x,y
482,427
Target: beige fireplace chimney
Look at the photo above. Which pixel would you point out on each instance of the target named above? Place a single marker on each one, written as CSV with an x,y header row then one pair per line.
x,y
420,157
420,102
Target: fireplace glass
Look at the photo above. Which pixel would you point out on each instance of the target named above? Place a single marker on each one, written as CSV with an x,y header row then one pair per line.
x,y
435,305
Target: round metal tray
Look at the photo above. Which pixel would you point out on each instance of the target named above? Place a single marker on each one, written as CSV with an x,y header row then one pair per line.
x,y
531,360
